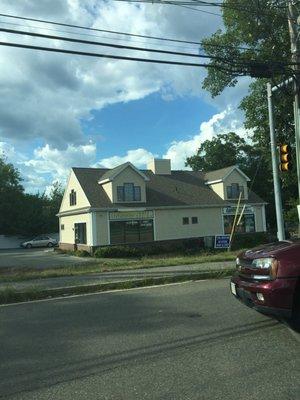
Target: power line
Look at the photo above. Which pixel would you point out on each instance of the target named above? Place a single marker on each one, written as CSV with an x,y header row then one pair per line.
x,y
134,48
97,29
236,62
235,72
198,3
96,36
111,56
118,46
118,32
188,7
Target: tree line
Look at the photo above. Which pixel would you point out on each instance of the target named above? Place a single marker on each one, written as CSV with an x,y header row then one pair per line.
x,y
23,213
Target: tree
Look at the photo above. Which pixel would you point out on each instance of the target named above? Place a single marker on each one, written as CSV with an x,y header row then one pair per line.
x,y
11,195
53,204
23,213
222,151
251,41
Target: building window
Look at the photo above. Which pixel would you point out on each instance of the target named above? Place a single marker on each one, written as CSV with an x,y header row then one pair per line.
x,y
234,190
137,193
128,192
185,221
132,231
62,227
120,193
194,220
73,198
80,233
247,224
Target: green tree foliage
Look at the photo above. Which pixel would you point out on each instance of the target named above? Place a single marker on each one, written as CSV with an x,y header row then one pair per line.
x,y
11,195
222,150
22,213
53,202
255,38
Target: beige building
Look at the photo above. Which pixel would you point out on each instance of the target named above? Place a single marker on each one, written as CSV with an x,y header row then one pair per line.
x,y
122,205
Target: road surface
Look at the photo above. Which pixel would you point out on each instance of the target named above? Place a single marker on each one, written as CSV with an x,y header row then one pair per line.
x,y
178,342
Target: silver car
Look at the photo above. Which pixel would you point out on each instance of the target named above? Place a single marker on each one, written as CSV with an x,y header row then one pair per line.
x,y
39,241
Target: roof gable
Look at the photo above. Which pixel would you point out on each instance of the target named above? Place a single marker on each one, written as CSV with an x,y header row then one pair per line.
x,y
220,175
111,174
81,196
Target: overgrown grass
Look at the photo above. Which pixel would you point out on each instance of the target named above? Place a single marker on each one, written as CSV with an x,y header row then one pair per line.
x,y
106,265
11,295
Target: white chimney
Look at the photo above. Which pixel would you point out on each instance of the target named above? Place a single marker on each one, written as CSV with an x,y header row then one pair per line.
x,y
160,166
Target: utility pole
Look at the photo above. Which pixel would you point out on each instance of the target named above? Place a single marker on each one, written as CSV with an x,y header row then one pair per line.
x,y
276,179
293,20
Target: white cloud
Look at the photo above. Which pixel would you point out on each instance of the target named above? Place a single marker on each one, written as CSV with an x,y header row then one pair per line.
x,y
52,93
48,164
138,157
57,162
229,120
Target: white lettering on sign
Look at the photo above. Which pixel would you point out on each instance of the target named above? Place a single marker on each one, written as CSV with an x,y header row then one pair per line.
x,y
117,215
222,241
232,210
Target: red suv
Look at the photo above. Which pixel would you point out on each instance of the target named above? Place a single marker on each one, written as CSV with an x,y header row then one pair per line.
x,y
267,278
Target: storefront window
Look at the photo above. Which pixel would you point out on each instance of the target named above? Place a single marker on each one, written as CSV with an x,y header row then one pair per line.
x,y
146,231
132,231
246,225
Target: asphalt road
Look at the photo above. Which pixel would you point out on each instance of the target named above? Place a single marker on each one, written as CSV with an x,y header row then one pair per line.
x,y
179,342
37,258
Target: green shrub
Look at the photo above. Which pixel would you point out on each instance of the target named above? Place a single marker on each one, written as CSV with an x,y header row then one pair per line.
x,y
249,240
82,253
117,252
189,246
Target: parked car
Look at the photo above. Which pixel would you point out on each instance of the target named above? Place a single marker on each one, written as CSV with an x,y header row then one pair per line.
x,y
267,278
39,241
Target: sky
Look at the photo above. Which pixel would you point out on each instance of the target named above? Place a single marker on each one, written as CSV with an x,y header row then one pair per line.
x,y
59,111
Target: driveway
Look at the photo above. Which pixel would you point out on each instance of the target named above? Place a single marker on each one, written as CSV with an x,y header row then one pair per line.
x,y
37,258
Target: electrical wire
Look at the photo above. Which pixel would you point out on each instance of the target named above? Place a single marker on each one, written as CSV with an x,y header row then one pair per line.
x,y
117,32
192,47
111,56
118,46
198,4
238,62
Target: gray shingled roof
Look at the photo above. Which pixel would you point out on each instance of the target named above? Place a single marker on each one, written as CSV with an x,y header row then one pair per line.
x,y
112,172
218,173
181,188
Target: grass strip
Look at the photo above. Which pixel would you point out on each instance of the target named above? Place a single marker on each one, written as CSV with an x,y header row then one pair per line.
x,y
108,265
11,295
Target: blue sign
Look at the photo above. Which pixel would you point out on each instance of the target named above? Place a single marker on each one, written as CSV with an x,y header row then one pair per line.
x,y
222,241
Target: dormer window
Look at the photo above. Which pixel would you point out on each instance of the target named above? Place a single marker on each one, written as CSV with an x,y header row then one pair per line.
x,y
234,190
72,198
128,192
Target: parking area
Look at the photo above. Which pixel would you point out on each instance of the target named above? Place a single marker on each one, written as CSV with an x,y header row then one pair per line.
x,y
37,258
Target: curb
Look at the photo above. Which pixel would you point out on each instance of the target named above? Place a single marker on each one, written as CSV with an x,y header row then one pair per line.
x,y
11,295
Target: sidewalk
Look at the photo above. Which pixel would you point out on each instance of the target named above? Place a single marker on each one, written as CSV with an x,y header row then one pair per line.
x,y
116,276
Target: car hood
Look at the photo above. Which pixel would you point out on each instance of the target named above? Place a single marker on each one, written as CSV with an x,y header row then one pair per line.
x,y
269,250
